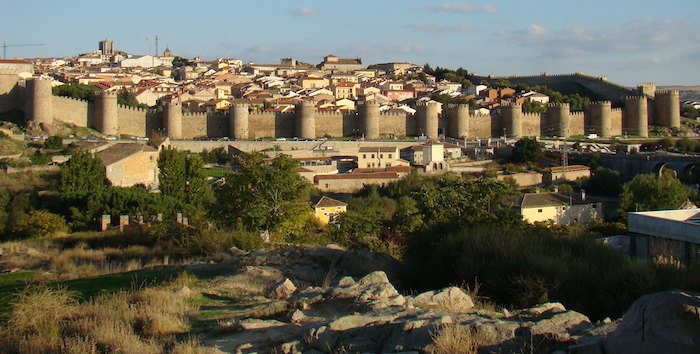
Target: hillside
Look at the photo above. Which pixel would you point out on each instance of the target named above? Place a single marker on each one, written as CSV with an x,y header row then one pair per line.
x,y
687,93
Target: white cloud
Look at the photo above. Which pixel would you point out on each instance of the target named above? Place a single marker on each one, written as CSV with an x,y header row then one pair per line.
x,y
462,7
303,11
536,30
425,27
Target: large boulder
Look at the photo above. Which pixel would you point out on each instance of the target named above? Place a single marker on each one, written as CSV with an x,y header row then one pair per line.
x,y
451,299
664,322
283,289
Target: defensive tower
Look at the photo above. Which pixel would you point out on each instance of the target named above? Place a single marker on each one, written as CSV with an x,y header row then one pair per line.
x,y
238,121
558,119
369,114
428,113
647,89
173,120
40,104
306,120
601,120
667,108
458,120
513,119
106,118
635,116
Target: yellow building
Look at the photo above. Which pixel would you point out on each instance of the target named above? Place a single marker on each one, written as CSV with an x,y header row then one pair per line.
x,y
327,209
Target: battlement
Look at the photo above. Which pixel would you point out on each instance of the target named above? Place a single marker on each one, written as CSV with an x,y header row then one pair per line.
x,y
72,99
428,104
532,115
394,114
370,103
577,113
137,109
307,104
601,103
240,105
558,105
634,98
105,94
667,92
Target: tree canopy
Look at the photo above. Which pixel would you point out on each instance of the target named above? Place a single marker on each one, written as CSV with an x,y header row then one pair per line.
x,y
79,91
527,150
83,173
264,195
652,192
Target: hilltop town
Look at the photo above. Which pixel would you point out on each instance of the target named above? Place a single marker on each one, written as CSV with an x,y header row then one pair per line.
x,y
297,207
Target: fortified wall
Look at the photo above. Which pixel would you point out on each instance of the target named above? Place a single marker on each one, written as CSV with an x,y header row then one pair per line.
x,y
430,119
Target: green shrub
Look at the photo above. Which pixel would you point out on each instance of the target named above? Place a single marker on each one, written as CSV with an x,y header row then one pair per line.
x,y
53,143
40,223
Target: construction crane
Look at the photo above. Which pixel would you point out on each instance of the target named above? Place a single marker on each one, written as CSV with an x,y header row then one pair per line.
x,y
5,45
156,38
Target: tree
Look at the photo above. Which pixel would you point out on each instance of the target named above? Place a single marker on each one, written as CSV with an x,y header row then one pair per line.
x,y
526,150
264,195
172,177
197,191
180,61
53,143
651,192
41,223
79,91
83,173
605,182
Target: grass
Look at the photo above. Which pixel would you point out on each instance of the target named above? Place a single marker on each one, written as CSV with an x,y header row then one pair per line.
x,y
457,339
143,320
214,172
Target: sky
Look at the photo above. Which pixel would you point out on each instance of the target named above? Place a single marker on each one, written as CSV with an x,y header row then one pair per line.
x,y
627,41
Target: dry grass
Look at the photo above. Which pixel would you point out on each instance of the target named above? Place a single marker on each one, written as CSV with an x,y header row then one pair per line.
x,y
457,339
141,321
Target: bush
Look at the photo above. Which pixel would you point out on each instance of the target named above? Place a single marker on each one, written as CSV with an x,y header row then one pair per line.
x,y
521,267
215,241
53,143
40,223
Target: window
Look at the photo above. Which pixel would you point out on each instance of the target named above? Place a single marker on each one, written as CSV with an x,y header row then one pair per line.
x,y
364,156
381,156
539,210
372,155
328,185
322,209
390,156
338,208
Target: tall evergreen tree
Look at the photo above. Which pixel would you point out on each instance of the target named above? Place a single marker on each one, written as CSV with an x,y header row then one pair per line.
x,y
83,173
172,175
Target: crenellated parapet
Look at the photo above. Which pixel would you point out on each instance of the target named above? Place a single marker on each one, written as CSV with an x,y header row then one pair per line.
x,y
667,108
635,116
106,116
647,89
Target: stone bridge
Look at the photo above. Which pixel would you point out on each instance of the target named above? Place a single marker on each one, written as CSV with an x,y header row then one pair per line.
x,y
630,165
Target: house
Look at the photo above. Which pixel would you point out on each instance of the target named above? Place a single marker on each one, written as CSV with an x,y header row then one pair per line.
x,y
670,236
327,209
565,174
353,182
560,208
126,164
332,62
343,90
379,157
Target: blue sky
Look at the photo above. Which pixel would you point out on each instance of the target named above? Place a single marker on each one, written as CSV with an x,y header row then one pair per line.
x,y
629,41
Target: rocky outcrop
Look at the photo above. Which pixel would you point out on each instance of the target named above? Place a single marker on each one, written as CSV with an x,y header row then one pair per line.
x,y
312,300
368,314
664,322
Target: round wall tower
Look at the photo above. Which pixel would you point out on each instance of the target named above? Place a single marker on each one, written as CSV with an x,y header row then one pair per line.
x,y
238,121
106,119
306,120
668,108
458,124
635,116
513,119
601,120
558,121
40,102
370,119
173,120
428,119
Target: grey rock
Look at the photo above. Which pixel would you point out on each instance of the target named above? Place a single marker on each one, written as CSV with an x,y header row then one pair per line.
x,y
283,289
